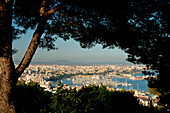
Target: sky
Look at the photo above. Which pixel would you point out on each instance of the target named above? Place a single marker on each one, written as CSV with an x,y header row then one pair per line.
x,y
69,51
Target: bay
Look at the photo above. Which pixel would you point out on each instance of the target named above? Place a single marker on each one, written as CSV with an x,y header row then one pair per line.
x,y
140,85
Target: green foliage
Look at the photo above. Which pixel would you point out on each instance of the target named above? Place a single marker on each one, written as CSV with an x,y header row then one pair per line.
x,y
160,108
154,91
164,100
31,98
94,99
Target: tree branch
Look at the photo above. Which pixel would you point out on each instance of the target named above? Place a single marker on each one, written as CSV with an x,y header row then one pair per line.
x,y
31,49
46,13
52,11
35,40
42,9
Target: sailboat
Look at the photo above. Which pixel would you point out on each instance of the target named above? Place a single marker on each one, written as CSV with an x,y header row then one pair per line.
x,y
137,86
132,87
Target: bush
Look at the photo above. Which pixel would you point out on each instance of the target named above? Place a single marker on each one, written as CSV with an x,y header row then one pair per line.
x,y
31,98
94,99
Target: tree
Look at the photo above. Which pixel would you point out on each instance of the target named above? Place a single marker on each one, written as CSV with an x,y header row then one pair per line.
x,y
150,22
88,22
31,98
152,45
82,20
95,99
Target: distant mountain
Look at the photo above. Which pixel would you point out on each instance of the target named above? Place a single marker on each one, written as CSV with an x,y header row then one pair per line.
x,y
59,62
67,62
64,62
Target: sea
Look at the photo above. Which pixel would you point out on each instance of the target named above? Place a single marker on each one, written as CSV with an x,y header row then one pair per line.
x,y
140,85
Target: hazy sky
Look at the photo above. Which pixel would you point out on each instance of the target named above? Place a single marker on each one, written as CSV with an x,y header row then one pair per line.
x,y
69,50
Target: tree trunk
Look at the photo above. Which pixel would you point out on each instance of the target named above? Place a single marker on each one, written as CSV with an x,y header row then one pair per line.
x,y
7,68
7,86
8,73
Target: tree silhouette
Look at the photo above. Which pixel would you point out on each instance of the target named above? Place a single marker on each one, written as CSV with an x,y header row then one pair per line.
x,y
140,28
82,20
150,23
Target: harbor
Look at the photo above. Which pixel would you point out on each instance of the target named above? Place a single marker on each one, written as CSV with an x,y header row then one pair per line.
x,y
97,80
110,81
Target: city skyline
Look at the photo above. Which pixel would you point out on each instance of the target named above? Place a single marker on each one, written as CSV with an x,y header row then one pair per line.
x,y
69,52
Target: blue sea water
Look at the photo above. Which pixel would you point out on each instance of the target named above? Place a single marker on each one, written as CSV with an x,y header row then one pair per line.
x,y
141,85
141,74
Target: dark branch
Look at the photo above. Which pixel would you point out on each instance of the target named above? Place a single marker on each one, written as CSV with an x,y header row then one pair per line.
x,y
31,49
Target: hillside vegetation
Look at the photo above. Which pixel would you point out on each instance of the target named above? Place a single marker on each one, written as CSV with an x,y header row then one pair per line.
x,y
31,98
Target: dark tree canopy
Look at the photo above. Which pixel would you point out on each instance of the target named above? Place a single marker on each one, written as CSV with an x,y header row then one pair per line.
x,y
151,20
140,28
151,44
89,22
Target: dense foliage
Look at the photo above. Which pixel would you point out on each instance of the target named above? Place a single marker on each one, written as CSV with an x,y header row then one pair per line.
x,y
140,28
31,98
82,20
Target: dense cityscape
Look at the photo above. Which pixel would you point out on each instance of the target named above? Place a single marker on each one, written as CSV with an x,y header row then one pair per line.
x,y
48,76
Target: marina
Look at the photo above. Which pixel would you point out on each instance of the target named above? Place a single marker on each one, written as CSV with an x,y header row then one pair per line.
x,y
116,82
